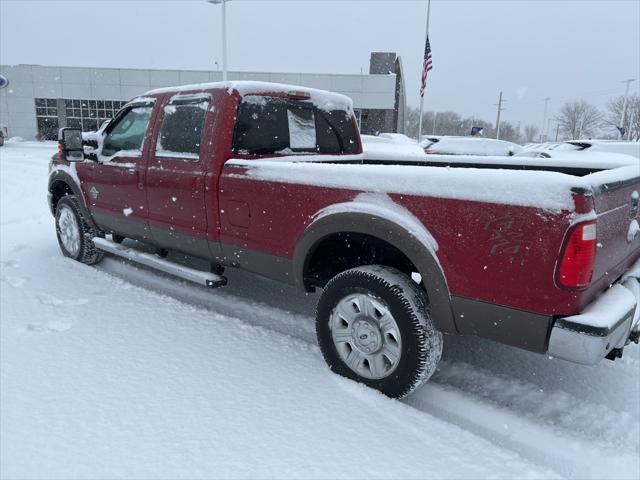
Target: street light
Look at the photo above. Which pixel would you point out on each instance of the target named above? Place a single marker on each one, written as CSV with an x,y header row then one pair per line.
x,y
224,36
624,108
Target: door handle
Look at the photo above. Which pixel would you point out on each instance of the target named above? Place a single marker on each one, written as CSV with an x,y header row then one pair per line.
x,y
131,171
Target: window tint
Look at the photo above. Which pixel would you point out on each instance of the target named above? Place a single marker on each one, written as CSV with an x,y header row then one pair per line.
x,y
128,133
335,132
181,130
274,125
261,126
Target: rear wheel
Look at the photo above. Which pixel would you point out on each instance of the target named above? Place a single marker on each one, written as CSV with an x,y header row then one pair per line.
x,y
75,233
373,326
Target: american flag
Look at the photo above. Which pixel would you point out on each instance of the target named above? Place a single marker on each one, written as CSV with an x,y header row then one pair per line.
x,y
426,66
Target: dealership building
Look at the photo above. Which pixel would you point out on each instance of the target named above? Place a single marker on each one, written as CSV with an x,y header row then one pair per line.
x,y
35,100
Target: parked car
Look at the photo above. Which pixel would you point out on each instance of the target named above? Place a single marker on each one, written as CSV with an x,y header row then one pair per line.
x,y
398,138
545,150
4,133
472,146
272,179
427,140
382,147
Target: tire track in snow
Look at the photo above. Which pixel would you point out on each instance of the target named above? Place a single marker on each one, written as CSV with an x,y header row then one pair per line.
x,y
485,413
537,443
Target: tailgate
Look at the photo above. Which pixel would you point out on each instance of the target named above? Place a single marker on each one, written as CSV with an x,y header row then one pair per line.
x,y
616,195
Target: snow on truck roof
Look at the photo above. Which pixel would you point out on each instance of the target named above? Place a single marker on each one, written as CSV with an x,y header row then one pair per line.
x,y
320,98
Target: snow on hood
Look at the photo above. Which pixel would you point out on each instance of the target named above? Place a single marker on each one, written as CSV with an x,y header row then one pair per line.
x,y
321,98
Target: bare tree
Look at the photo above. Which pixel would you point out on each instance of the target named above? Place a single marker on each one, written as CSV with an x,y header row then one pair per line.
x,y
631,122
579,119
510,132
530,133
446,123
452,123
412,116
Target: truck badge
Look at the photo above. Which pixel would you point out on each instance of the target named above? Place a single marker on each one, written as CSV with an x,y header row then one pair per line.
x,y
94,192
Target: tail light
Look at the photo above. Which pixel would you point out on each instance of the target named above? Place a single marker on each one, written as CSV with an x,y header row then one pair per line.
x,y
578,256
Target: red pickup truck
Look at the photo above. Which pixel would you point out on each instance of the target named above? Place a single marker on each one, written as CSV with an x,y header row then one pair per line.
x,y
272,179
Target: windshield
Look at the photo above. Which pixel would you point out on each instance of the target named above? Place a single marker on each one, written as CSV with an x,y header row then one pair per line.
x,y
268,125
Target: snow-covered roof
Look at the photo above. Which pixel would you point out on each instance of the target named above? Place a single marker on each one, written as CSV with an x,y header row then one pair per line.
x,y
473,146
321,98
384,148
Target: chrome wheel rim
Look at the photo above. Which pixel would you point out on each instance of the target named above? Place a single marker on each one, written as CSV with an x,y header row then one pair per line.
x,y
366,335
69,230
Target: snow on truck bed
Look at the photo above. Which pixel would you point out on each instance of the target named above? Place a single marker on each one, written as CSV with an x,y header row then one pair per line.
x,y
116,371
533,188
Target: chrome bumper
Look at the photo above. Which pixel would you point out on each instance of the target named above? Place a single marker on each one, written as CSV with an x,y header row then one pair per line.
x,y
606,324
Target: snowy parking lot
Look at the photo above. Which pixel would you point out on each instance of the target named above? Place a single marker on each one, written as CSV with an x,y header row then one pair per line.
x,y
118,371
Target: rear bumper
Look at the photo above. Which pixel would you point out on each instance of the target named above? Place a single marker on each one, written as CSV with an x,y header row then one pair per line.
x,y
606,324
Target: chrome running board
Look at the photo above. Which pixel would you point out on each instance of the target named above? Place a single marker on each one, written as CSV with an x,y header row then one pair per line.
x,y
153,261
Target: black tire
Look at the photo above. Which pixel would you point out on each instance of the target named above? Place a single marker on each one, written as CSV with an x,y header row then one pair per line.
x,y
1,139
87,252
421,342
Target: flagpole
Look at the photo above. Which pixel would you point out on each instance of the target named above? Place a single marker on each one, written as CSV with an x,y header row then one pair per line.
x,y
422,96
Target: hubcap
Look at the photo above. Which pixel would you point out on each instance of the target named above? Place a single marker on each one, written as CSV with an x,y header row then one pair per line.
x,y
69,230
366,335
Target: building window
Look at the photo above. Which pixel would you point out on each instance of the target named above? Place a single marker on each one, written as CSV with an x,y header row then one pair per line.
x,y
47,118
87,115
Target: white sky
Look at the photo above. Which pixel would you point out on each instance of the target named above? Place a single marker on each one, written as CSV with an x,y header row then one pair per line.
x,y
529,49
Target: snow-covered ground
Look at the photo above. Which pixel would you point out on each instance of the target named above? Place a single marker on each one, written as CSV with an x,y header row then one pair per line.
x,y
115,370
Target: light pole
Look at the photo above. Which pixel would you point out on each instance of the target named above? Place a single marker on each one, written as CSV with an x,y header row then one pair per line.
x,y
543,132
224,35
500,109
624,106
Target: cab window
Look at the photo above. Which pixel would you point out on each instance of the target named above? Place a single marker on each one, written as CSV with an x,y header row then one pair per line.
x,y
181,131
128,132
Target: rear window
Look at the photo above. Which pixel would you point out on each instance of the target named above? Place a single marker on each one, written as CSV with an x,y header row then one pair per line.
x,y
267,125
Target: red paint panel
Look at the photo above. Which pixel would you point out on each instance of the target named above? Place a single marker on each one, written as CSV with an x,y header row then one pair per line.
x,y
495,253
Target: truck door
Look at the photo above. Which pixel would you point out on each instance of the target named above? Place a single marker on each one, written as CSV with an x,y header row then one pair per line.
x,y
176,176
115,187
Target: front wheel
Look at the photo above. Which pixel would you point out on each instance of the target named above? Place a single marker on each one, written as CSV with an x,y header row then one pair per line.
x,y
373,326
75,233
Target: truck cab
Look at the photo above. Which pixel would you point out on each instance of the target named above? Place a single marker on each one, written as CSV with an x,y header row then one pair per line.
x,y
157,164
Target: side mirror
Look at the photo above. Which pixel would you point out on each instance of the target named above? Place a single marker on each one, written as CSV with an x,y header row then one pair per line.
x,y
70,144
